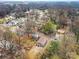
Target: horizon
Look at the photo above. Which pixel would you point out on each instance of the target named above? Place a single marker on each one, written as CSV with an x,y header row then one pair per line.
x,y
41,0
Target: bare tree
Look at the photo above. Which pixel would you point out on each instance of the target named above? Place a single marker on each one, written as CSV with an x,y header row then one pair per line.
x,y
29,26
68,47
9,48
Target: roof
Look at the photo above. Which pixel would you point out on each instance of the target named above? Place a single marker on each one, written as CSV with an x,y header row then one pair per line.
x,y
35,35
62,31
42,41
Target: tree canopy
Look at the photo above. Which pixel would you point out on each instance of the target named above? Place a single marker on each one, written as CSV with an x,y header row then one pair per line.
x,y
49,27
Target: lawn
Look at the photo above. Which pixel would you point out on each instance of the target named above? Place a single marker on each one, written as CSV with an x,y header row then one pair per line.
x,y
77,57
2,21
55,57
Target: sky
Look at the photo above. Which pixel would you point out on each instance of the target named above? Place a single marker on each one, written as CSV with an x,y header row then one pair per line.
x,y
39,0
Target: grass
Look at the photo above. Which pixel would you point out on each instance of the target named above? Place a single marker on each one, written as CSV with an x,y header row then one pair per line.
x,y
55,57
77,57
5,19
1,21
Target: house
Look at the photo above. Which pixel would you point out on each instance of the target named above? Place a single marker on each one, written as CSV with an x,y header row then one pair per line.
x,y
59,34
35,36
42,42
61,31
12,23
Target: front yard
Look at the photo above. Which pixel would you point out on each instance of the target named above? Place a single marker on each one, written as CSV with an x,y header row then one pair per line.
x,y
77,57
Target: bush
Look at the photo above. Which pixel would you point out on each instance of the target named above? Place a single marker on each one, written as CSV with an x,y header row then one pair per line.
x,y
51,50
53,47
55,57
49,27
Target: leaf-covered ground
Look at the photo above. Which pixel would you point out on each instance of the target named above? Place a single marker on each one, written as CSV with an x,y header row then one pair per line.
x,y
77,56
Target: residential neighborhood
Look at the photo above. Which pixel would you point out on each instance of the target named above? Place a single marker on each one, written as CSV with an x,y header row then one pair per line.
x,y
39,30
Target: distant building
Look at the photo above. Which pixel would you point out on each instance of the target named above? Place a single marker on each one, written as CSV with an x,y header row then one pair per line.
x,y
41,42
59,34
35,36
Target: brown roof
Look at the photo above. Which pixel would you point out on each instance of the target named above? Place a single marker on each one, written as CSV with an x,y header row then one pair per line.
x,y
61,31
42,41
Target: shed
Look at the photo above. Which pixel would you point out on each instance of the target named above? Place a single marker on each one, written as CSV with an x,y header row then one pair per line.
x,y
41,42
